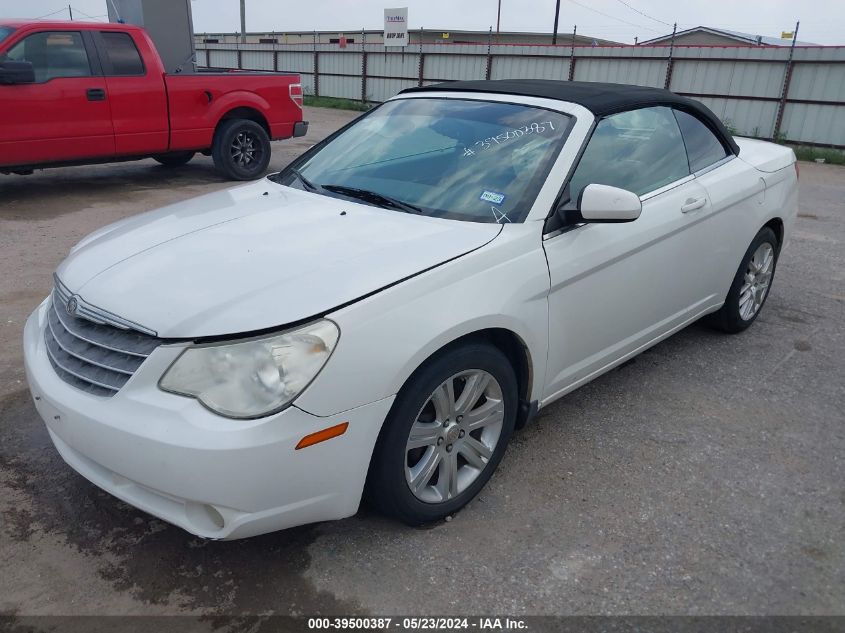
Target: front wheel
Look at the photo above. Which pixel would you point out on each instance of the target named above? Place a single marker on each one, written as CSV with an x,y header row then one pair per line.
x,y
750,286
241,149
445,435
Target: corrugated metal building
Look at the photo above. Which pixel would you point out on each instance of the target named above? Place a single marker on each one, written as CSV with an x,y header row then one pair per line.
x,y
709,36
428,36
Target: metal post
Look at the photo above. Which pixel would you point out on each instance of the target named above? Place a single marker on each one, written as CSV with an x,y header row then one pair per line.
x,y
572,54
363,66
421,69
787,78
316,68
420,63
420,81
489,55
557,15
243,21
670,64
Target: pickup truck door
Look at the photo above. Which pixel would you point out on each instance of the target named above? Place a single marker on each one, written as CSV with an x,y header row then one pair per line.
x,y
618,287
136,93
64,115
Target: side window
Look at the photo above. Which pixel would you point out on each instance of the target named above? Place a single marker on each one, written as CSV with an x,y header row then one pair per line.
x,y
53,54
703,148
122,54
639,150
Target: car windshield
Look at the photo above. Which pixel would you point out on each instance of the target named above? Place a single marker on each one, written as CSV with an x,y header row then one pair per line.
x,y
5,31
478,161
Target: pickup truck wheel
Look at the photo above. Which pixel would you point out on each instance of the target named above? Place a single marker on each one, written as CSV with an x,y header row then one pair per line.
x,y
445,435
750,286
174,159
241,149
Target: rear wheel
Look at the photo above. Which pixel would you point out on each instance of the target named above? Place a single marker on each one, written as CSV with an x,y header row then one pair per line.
x,y
241,149
750,286
174,159
445,435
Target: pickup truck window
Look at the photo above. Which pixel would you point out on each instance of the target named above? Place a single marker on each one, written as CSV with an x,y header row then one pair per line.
x,y
5,31
478,161
53,55
123,56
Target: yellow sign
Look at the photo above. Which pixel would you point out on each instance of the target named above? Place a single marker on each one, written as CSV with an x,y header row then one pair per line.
x,y
787,35
445,36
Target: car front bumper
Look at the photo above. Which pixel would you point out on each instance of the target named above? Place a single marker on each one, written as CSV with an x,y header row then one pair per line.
x,y
214,477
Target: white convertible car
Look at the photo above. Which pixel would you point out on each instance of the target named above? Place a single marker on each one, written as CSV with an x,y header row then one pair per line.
x,y
376,319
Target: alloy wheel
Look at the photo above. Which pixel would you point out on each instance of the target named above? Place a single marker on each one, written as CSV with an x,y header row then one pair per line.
x,y
246,149
454,436
758,278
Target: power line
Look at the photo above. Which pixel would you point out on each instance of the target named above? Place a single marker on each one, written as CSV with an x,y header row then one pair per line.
x,y
41,17
613,17
90,17
641,13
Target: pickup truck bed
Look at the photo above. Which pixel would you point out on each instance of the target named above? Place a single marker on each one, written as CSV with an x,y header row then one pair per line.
x,y
75,92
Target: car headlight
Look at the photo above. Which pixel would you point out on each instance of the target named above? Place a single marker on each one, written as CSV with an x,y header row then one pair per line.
x,y
255,377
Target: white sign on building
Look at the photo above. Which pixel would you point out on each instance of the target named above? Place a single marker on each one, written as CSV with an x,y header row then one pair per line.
x,y
396,27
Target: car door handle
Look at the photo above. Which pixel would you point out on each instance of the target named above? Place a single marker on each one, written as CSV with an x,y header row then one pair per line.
x,y
96,94
692,204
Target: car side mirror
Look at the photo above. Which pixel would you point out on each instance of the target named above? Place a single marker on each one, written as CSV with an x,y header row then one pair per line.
x,y
12,72
602,203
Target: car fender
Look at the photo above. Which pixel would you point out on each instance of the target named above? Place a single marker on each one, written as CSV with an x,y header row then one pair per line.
x,y
385,337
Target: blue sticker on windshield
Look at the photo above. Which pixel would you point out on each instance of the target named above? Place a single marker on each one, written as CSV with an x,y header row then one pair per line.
x,y
492,196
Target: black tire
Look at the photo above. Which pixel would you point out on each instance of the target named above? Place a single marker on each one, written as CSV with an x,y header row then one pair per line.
x,y
387,488
174,159
241,149
728,318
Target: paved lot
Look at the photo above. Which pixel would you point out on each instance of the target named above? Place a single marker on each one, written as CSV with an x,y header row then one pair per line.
x,y
706,476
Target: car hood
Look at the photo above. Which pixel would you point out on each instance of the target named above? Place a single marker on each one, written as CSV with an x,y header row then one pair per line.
x,y
254,257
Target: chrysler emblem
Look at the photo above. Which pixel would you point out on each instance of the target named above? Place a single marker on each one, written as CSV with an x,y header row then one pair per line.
x,y
72,305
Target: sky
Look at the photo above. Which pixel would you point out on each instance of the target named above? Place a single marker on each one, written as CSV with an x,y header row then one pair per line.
x,y
822,21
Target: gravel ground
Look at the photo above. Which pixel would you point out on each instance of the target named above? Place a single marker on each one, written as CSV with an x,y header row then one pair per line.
x,y
705,476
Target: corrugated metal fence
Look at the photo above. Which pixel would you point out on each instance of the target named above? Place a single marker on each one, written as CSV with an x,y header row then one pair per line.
x,y
757,91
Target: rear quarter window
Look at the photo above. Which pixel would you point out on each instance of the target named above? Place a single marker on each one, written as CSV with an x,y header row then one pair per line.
x,y
703,148
122,54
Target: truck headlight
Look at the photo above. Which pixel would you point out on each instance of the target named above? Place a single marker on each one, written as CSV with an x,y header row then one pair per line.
x,y
255,377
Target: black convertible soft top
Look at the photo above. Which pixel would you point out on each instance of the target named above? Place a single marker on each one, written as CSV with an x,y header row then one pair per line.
x,y
599,98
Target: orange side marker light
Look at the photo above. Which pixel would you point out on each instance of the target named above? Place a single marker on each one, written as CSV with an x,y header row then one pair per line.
x,y
322,436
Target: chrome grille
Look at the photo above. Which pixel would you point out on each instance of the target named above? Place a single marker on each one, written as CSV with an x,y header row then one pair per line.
x,y
92,356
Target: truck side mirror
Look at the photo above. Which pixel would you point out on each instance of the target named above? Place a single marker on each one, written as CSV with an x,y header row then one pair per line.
x,y
16,73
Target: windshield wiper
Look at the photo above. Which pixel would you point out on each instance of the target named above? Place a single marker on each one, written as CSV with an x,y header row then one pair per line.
x,y
379,199
310,186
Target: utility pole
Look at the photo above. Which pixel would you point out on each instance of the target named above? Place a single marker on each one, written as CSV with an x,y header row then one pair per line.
x,y
498,19
70,12
557,15
243,21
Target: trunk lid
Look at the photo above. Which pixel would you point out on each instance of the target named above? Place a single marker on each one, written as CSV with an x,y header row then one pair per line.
x,y
764,156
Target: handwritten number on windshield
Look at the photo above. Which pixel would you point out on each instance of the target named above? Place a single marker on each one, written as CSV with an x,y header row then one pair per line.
x,y
525,130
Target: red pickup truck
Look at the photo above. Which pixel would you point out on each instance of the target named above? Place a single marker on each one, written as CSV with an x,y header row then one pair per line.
x,y
75,93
